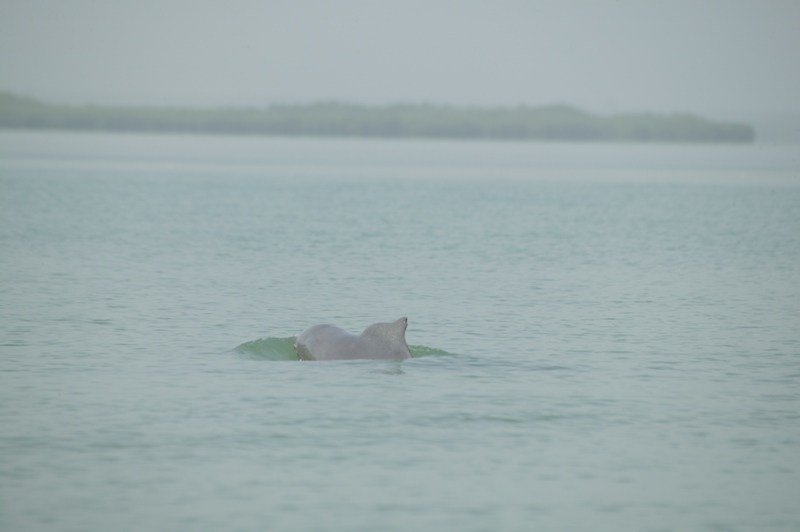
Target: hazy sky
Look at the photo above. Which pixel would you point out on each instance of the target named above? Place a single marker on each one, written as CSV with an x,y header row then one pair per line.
x,y
724,58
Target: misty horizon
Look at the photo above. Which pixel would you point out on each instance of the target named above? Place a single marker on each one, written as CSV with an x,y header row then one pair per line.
x,y
554,122
344,102
722,60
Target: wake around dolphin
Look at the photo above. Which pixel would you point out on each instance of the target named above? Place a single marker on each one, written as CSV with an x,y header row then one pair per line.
x,y
378,341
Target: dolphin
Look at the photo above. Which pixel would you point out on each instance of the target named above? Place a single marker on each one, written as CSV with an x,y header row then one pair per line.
x,y
378,341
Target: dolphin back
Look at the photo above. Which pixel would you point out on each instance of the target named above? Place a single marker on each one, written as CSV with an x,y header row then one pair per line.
x,y
387,340
378,341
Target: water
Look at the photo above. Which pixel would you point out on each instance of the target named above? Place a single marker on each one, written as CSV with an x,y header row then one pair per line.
x,y
606,337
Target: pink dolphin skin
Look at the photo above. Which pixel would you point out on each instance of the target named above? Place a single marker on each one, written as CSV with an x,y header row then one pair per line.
x,y
378,341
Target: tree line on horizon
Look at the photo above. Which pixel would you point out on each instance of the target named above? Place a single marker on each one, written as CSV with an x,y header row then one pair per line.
x,y
550,123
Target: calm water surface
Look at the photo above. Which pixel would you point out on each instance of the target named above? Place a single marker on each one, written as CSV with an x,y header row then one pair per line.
x,y
607,337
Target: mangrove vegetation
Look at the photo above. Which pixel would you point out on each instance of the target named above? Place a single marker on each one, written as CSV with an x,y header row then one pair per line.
x,y
549,123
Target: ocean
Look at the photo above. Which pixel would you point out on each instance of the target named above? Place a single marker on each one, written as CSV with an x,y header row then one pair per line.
x,y
605,336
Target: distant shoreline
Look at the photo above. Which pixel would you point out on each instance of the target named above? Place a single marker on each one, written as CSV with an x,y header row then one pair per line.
x,y
333,119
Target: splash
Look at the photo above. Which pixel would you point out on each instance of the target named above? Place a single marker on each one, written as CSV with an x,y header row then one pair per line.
x,y
418,351
283,349
269,349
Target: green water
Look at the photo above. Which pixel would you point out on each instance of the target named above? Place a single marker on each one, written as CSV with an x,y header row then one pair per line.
x,y
283,349
604,337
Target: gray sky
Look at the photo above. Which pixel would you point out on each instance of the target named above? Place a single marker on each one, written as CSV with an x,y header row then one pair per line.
x,y
719,58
